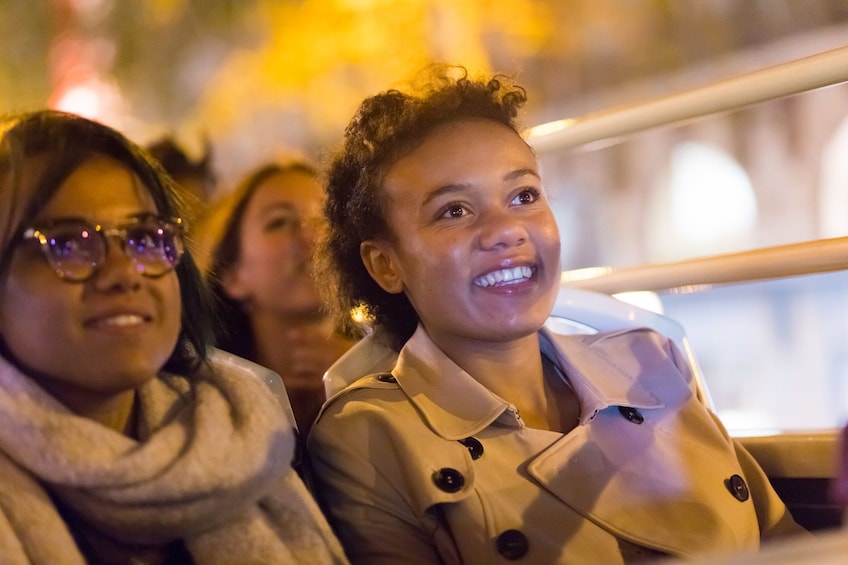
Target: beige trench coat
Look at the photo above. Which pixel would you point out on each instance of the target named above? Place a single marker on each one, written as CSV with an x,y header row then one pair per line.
x,y
425,465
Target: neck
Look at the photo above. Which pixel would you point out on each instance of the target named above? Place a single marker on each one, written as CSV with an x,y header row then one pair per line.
x,y
516,372
275,334
512,370
115,411
296,345
300,349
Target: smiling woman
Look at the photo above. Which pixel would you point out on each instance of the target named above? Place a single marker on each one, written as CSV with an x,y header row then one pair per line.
x,y
257,244
122,436
493,437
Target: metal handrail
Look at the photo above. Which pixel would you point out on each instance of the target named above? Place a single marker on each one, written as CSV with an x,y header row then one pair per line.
x,y
819,256
808,73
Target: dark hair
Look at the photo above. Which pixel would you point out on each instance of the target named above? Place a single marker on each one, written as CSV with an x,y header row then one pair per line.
x,y
219,235
64,142
386,127
177,163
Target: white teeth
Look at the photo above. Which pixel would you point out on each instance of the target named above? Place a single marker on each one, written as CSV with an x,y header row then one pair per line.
x,y
123,320
505,276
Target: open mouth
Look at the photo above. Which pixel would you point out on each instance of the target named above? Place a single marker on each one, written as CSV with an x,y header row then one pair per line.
x,y
505,277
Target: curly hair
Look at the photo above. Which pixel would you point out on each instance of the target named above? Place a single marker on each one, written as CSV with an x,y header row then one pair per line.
x,y
387,127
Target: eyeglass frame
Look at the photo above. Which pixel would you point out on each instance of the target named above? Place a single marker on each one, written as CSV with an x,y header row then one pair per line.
x,y
119,231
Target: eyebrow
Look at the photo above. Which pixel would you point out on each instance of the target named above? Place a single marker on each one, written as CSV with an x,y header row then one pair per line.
x,y
450,188
276,207
129,218
518,173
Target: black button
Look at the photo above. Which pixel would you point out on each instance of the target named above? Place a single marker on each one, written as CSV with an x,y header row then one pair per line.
x,y
449,480
474,447
631,414
512,544
386,378
737,487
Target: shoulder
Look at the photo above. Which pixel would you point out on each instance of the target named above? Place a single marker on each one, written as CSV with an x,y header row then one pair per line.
x,y
635,355
375,401
629,342
373,417
244,393
372,434
249,376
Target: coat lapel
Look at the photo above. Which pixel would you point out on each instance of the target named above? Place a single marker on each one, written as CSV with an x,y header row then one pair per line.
x,y
644,482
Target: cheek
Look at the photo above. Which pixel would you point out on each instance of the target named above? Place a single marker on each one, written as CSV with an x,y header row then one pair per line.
x,y
31,321
172,304
436,277
268,253
171,321
30,289
430,264
548,232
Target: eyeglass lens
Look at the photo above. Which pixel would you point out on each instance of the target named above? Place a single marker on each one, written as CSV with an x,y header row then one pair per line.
x,y
76,250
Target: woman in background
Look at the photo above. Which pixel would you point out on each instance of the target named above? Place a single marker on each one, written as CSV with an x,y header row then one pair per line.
x,y
259,242
123,438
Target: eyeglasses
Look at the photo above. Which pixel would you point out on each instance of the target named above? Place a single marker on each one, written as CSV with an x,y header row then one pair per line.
x,y
75,249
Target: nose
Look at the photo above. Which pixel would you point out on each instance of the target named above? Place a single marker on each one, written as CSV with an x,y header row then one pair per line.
x,y
309,232
500,229
117,272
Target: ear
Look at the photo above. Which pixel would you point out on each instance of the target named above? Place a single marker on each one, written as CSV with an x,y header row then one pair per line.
x,y
382,265
233,285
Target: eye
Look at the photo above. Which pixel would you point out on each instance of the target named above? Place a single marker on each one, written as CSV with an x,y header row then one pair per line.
x,y
72,243
285,222
526,196
453,210
68,243
146,239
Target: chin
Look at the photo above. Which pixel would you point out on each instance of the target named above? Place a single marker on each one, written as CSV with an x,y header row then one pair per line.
x,y
131,372
514,330
305,309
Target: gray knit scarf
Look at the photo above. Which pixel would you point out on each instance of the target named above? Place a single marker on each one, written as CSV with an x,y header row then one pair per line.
x,y
212,469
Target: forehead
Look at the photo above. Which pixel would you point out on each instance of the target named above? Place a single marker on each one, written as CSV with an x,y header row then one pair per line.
x,y
460,151
298,188
100,188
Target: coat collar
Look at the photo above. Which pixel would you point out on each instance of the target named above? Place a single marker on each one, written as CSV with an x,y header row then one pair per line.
x,y
602,373
609,369
454,405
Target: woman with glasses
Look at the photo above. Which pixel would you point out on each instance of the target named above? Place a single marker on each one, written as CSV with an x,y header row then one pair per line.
x,y
123,438
493,439
259,241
